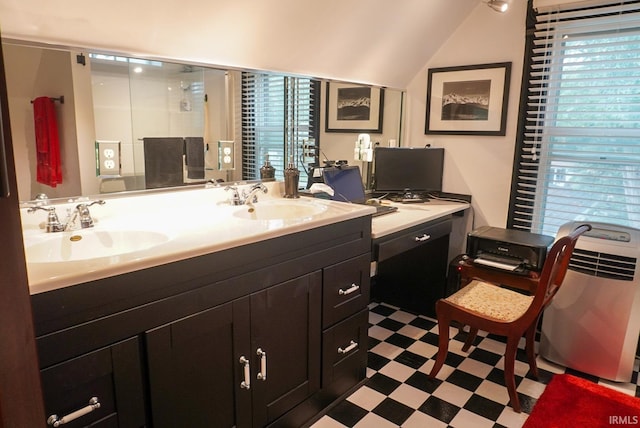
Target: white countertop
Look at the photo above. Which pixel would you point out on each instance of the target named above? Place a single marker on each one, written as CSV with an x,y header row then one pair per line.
x,y
413,214
192,223
189,223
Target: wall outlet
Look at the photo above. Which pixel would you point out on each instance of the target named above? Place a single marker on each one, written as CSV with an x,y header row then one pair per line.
x,y
225,155
108,158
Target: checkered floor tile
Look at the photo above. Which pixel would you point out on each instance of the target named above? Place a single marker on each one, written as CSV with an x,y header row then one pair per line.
x,y
468,392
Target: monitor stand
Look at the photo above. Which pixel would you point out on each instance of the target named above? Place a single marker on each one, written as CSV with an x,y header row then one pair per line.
x,y
408,196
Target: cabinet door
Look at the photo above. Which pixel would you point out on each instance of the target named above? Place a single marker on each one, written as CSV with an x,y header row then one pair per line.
x,y
195,372
112,375
286,326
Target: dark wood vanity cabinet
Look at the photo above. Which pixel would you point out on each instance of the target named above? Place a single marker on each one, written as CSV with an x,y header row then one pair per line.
x,y
243,364
177,344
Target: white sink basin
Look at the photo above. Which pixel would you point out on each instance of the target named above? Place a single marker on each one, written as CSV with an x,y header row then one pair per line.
x,y
91,244
298,209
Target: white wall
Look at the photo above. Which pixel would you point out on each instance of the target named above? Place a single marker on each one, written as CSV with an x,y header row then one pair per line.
x,y
41,73
85,126
378,42
476,165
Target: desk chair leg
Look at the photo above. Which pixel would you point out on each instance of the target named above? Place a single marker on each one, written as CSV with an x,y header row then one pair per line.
x,y
443,344
530,336
509,375
473,332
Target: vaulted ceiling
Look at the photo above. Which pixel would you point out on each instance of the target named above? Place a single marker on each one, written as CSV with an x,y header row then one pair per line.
x,y
381,42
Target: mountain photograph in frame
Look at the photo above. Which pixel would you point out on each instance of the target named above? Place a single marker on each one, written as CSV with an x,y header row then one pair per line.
x,y
468,100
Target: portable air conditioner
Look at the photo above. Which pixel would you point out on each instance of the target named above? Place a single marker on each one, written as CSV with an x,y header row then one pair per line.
x,y
593,323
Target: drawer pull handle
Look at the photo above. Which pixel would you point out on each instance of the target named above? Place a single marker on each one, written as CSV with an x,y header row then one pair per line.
x,y
246,383
54,421
263,364
422,238
349,290
352,345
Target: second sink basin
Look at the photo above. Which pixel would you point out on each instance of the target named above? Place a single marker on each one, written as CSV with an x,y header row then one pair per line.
x,y
90,244
287,209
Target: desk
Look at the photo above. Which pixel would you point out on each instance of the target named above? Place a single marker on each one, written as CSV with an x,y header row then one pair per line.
x,y
411,251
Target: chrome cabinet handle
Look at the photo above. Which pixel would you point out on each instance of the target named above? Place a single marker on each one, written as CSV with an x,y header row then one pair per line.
x,y
422,238
54,421
246,383
263,364
349,290
351,347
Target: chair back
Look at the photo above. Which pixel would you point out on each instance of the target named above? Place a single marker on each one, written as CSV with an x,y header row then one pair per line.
x,y
555,269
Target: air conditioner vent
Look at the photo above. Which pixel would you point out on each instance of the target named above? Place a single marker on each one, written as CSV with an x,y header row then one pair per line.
x,y
603,265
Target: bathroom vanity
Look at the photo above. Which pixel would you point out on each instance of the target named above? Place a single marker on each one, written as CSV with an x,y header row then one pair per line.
x,y
179,309
268,330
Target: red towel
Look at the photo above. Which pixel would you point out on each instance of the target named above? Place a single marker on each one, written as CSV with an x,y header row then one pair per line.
x,y
47,143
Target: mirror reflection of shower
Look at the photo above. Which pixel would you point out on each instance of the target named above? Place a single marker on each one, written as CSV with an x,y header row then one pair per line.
x,y
164,100
185,101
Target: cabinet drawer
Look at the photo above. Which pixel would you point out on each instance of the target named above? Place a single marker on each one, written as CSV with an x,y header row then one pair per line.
x,y
112,375
346,288
397,243
344,353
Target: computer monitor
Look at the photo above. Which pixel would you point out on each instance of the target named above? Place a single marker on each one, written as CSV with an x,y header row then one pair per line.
x,y
402,169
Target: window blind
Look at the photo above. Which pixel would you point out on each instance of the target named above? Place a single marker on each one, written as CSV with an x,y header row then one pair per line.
x,y
279,121
578,154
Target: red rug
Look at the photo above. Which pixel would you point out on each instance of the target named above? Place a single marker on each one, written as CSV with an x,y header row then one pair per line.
x,y
569,401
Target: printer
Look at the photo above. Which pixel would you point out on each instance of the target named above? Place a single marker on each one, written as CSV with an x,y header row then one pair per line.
x,y
512,250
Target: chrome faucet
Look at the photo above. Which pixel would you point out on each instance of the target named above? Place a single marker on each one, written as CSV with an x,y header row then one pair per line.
x,y
80,212
247,196
235,196
53,223
251,197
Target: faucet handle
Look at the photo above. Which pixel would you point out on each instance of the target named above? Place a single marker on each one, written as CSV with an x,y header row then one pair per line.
x,y
235,196
250,196
83,213
47,208
259,186
99,202
53,223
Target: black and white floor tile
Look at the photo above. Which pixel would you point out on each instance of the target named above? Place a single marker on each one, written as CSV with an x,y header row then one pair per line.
x,y
468,392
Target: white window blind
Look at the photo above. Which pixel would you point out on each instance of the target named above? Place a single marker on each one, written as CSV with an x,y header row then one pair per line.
x,y
579,153
279,117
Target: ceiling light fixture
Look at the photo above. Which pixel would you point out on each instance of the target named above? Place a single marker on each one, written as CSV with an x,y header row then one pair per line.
x,y
498,5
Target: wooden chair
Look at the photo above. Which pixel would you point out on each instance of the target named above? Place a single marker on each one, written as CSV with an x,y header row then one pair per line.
x,y
487,306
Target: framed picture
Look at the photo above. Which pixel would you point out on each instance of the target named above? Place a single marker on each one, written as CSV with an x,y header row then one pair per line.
x,y
468,100
353,108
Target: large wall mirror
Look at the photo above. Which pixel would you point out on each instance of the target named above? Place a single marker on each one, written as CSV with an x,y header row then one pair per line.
x,y
115,106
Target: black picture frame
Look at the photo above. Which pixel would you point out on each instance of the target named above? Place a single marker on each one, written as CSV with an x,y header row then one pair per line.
x,y
468,100
354,108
